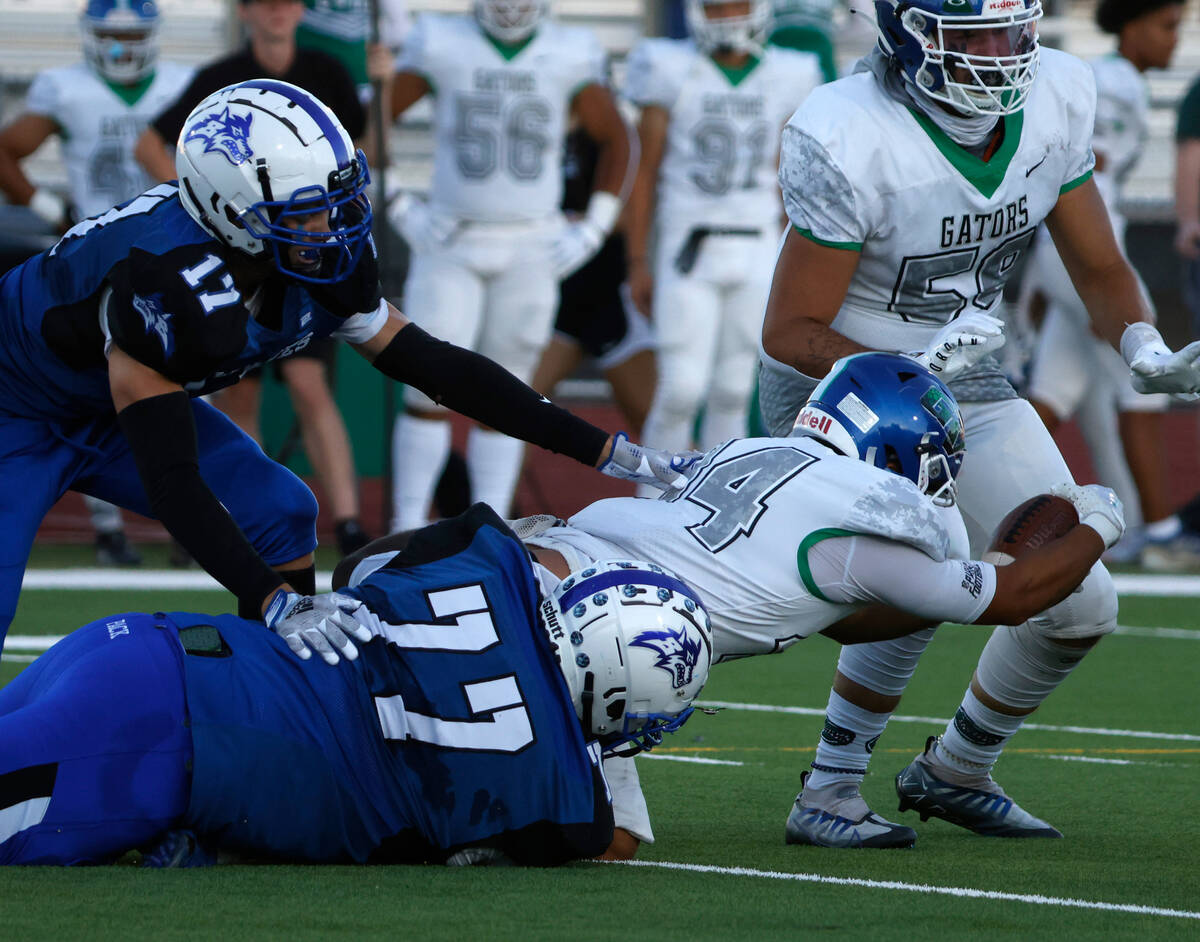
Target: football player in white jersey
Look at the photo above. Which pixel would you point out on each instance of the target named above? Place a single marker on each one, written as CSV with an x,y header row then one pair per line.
x,y
913,186
490,245
711,110
97,108
847,528
1074,372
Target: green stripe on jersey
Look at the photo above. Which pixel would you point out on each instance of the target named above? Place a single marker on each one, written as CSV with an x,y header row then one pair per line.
x,y
985,175
807,544
1078,181
848,246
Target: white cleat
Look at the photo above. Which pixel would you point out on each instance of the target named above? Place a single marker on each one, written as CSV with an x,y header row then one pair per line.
x,y
837,816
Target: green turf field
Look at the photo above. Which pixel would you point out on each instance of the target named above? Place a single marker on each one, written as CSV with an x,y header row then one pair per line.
x,y
1112,762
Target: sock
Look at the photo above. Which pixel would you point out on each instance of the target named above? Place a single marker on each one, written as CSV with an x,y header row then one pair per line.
x,y
419,450
975,737
1165,529
846,742
493,465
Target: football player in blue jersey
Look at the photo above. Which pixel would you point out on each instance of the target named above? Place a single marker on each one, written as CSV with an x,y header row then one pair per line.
x,y
263,244
470,728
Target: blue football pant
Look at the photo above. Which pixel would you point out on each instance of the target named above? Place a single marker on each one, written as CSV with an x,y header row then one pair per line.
x,y
95,749
40,461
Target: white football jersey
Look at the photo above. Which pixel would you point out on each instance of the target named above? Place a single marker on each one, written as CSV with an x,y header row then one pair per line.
x,y
100,129
722,145
499,122
939,229
740,532
1122,122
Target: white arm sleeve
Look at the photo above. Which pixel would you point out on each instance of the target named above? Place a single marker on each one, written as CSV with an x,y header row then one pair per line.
x,y
860,569
628,802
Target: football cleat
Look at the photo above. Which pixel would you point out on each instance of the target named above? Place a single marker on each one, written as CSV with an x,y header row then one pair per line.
x,y
981,807
837,816
1180,553
177,850
113,549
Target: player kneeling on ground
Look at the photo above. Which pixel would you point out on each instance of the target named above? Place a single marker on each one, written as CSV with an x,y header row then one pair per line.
x,y
467,726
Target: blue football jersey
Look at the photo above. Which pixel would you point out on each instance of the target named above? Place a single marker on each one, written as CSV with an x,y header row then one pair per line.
x,y
452,729
148,277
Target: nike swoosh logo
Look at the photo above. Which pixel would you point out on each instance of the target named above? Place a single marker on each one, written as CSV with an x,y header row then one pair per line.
x,y
1035,166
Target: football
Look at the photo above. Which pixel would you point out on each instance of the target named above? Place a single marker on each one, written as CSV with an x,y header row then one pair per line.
x,y
1030,525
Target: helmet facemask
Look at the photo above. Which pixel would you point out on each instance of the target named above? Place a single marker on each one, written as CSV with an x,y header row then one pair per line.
x,y
738,33
975,63
119,42
510,21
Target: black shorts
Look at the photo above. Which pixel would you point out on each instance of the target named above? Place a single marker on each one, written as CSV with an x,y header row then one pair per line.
x,y
322,348
591,310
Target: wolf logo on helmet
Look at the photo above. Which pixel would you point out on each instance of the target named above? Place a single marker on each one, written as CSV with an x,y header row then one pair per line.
x,y
304,168
225,133
617,627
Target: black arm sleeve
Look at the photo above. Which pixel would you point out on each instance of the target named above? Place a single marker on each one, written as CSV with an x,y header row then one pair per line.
x,y
162,436
483,390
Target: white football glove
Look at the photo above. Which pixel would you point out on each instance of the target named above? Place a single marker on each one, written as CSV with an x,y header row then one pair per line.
x,y
316,623
1098,507
664,470
961,344
574,244
1153,365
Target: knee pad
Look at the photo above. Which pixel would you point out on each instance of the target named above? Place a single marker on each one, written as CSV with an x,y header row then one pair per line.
x,y
288,525
1021,665
1090,611
884,666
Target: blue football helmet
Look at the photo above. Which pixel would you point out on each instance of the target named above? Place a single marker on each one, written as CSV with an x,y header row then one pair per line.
x,y
257,161
976,56
120,38
634,644
889,411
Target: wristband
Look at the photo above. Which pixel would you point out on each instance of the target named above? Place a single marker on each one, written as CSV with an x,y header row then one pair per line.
x,y
603,210
1139,334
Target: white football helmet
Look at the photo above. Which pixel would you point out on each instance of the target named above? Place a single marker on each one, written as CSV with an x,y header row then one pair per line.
x,y
510,21
256,156
635,645
120,38
980,57
745,32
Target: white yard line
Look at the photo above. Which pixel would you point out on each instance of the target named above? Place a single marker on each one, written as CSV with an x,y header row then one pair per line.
x,y
942,721
696,759
961,891
1096,760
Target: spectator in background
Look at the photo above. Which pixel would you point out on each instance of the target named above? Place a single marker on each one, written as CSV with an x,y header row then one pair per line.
x,y
1076,373
272,52
97,108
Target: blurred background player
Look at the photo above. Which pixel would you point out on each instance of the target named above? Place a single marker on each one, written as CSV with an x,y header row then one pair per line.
x,y
272,52
97,108
711,111
1074,372
491,244
596,315
806,26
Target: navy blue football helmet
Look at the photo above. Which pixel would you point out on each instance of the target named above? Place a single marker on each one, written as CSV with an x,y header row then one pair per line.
x,y
120,38
889,411
977,56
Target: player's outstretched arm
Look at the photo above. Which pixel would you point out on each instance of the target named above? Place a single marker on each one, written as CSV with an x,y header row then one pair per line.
x,y
155,414
639,210
17,141
151,152
809,286
1042,577
481,389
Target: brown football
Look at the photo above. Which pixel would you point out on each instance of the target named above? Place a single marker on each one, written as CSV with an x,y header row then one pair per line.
x,y
1030,525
